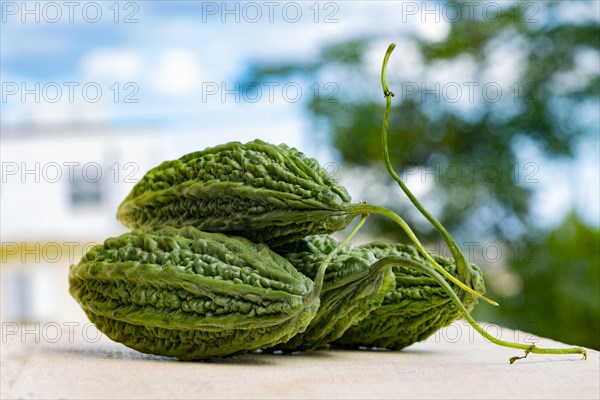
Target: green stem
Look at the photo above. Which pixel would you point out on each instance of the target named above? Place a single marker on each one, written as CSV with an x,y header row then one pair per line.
x,y
323,267
528,348
463,268
368,208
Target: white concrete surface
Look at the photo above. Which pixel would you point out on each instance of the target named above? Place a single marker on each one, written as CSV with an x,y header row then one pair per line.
x,y
44,362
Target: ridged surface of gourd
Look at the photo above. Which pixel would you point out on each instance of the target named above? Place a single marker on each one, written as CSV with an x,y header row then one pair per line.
x,y
352,287
414,309
191,294
258,190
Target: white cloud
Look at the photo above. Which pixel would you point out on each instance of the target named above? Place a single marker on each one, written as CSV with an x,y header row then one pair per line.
x,y
506,56
112,63
178,73
434,29
587,60
577,12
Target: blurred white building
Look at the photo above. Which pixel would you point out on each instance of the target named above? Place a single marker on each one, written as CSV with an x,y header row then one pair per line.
x,y
60,189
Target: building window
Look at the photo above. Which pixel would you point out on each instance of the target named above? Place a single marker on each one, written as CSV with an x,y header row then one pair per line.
x,y
85,189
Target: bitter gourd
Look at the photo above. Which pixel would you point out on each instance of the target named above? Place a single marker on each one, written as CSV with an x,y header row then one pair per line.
x,y
468,273
191,294
415,308
258,190
353,286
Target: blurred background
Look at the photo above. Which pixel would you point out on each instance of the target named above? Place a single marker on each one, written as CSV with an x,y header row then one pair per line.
x,y
495,127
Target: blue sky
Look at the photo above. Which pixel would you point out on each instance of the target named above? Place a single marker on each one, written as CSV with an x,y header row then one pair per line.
x,y
172,52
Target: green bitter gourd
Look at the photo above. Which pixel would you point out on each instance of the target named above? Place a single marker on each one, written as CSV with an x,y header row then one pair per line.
x,y
415,308
354,285
191,294
258,190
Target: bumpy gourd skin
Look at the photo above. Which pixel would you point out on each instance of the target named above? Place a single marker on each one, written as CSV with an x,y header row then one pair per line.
x,y
414,309
258,190
353,286
191,294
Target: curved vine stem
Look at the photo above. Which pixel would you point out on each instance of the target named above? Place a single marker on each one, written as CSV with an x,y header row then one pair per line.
x,y
369,208
528,348
462,266
323,267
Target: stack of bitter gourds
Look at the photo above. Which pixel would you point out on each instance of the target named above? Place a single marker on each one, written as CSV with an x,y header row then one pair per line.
x,y
230,252
225,255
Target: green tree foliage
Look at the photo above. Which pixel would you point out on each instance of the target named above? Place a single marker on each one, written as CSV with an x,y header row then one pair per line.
x,y
539,107
559,297
550,105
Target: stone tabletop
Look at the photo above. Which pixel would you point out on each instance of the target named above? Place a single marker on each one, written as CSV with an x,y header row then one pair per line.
x,y
75,361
